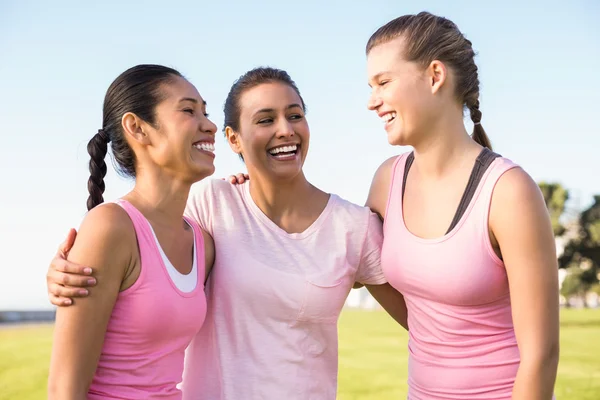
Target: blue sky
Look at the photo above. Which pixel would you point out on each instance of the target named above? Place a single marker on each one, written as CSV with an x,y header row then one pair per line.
x,y
538,64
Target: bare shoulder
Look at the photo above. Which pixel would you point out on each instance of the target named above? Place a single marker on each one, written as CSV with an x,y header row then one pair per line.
x,y
518,213
106,237
516,188
384,172
110,221
380,187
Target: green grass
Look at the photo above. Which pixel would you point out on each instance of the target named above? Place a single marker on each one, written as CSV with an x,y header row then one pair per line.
x,y
24,358
372,358
579,365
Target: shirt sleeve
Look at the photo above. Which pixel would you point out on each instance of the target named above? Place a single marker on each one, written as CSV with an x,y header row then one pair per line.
x,y
199,203
369,270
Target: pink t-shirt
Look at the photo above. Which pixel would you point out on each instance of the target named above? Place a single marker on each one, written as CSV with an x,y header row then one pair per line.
x,y
274,298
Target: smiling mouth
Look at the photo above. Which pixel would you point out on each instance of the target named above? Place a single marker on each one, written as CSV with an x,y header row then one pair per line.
x,y
205,147
388,118
284,152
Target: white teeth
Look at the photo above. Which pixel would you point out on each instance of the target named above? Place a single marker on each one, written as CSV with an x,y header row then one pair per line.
x,y
283,149
388,117
205,146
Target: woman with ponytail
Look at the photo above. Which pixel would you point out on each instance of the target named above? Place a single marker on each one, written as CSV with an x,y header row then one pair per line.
x,y
127,339
467,237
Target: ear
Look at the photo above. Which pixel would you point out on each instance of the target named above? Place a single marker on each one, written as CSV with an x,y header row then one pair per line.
x,y
133,127
233,138
436,74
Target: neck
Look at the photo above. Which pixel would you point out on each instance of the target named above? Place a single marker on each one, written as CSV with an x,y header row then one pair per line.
x,y
280,198
160,198
445,145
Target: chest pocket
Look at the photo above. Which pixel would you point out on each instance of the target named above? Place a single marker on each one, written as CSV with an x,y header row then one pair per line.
x,y
325,296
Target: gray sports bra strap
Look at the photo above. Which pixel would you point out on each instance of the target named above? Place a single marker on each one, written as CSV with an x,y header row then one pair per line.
x,y
482,163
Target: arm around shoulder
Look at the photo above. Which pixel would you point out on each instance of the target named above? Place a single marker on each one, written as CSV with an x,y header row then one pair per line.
x,y
106,242
520,223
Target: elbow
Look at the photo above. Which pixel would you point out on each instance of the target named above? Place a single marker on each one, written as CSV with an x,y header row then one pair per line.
x,y
551,355
544,359
54,391
60,388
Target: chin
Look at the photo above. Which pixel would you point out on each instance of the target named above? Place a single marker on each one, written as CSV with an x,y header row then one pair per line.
x,y
396,140
201,173
401,137
286,174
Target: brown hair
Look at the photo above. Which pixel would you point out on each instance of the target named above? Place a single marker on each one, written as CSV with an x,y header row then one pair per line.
x,y
428,38
137,90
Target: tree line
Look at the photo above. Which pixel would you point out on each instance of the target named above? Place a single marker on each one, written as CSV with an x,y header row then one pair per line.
x,y
581,241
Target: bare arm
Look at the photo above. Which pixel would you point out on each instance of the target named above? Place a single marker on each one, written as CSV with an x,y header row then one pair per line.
x,y
392,302
520,225
380,188
66,280
389,298
379,192
106,243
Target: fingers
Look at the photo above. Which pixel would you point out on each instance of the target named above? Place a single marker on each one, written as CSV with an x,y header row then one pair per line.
x,y
241,178
60,264
238,179
55,276
62,296
59,301
64,292
66,246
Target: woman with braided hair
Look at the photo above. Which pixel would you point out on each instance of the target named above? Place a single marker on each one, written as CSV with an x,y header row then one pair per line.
x,y
127,340
467,237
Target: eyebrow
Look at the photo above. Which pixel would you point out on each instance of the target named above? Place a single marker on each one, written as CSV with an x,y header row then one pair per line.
x,y
195,101
267,110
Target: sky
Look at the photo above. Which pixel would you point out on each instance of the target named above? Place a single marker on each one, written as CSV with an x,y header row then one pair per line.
x,y
538,64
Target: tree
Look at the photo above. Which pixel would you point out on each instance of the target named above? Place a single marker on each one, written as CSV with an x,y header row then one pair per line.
x,y
584,249
573,284
555,196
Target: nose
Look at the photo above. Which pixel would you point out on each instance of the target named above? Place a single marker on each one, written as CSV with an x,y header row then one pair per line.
x,y
284,128
207,126
374,101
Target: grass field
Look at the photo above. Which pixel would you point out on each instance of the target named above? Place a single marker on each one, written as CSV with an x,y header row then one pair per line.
x,y
372,358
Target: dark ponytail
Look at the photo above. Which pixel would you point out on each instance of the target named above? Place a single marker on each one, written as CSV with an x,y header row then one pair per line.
x,y
97,148
479,134
138,91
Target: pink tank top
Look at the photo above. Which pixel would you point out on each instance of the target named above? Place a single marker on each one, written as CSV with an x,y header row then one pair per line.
x,y
462,343
150,327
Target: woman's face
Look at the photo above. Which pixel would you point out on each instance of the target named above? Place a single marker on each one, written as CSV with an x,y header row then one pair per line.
x,y
274,136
